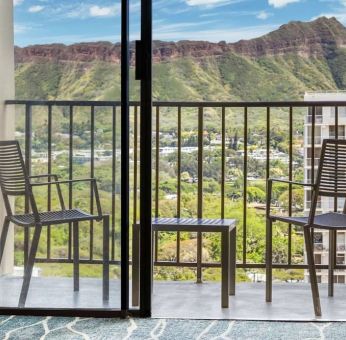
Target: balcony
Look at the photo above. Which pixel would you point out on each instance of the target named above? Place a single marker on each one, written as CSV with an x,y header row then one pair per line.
x,y
309,162
332,136
318,119
319,247
318,206
184,299
200,170
318,141
341,247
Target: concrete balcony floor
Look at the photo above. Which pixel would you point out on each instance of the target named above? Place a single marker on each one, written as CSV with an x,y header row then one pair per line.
x,y
184,300
291,301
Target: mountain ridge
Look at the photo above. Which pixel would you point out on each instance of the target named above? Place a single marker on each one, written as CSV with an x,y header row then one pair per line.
x,y
316,38
281,65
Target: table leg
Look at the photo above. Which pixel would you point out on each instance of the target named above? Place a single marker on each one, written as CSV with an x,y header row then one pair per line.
x,y
225,261
152,262
105,268
199,257
135,264
233,260
331,265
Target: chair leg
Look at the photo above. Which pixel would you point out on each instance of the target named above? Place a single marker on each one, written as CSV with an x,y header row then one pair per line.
x,y
312,271
75,256
3,238
233,260
26,245
28,269
135,264
225,268
269,260
331,266
105,291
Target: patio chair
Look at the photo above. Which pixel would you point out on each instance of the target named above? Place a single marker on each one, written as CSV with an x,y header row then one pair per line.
x,y
330,182
14,181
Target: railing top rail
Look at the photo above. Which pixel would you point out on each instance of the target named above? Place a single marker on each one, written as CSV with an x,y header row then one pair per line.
x,y
62,102
325,91
256,104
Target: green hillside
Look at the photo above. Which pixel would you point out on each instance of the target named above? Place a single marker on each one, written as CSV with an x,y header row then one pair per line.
x,y
229,77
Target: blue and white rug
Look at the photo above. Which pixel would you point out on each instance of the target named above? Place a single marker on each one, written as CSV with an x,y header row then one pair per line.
x,y
44,328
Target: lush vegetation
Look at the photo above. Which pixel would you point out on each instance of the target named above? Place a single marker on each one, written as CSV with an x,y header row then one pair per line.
x,y
227,77
256,191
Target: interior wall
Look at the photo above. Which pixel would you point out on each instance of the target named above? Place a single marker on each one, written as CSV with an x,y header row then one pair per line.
x,y
7,117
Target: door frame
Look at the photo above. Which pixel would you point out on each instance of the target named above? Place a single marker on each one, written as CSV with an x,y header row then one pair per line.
x,y
145,183
125,193
125,156
146,246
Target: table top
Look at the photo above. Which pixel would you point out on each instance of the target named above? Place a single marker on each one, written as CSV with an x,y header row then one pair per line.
x,y
193,224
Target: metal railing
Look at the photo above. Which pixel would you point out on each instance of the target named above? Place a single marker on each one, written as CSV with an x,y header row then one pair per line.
x,y
318,119
245,111
69,111
308,162
319,247
324,92
318,140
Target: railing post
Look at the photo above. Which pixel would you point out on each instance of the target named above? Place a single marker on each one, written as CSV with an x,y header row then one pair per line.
x,y
7,126
200,192
92,175
179,180
114,177
290,178
245,183
70,176
49,171
157,178
223,160
313,129
28,149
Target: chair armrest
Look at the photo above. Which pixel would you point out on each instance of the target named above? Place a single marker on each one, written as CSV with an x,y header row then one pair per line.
x,y
55,178
290,182
72,181
270,186
67,181
44,176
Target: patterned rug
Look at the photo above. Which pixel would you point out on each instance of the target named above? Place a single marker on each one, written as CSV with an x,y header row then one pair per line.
x,y
43,328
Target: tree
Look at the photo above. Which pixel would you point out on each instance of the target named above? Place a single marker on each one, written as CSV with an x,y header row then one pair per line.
x,y
233,144
297,198
185,176
255,194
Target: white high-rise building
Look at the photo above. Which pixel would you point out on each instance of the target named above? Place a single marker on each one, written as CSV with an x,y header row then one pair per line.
x,y
324,128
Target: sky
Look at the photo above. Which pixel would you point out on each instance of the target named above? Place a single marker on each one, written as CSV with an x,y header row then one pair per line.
x,y
71,21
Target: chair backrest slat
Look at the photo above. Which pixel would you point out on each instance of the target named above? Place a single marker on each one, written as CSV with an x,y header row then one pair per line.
x,y
331,179
13,179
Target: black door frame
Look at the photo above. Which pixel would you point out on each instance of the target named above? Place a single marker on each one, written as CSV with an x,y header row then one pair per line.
x,y
125,156
125,193
146,254
145,188
144,74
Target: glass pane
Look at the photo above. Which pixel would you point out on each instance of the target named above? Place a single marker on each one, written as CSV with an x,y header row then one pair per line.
x,y
220,132
341,239
79,138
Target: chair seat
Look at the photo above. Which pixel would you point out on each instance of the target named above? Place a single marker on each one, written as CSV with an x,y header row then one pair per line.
x,y
53,217
322,221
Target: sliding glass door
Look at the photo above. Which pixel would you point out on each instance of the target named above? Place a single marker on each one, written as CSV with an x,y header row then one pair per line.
x,y
75,259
